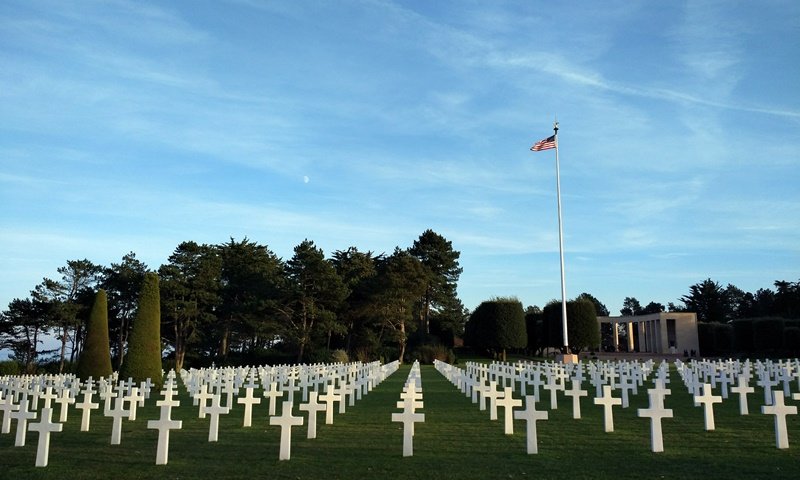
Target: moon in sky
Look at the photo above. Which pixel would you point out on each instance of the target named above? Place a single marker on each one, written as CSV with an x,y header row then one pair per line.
x,y
305,178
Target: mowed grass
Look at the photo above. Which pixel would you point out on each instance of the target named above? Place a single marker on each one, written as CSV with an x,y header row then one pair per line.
x,y
457,440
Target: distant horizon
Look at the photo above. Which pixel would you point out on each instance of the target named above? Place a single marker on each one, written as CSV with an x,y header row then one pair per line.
x,y
137,125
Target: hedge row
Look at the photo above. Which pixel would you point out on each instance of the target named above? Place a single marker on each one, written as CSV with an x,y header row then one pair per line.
x,y
750,337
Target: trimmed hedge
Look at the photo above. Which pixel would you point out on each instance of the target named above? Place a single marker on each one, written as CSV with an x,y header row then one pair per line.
x,y
144,346
497,325
95,360
768,335
743,335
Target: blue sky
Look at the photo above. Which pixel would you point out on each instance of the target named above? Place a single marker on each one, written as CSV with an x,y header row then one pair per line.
x,y
133,126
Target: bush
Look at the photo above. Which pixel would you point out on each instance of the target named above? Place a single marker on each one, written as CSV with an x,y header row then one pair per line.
x,y
723,339
768,335
583,329
743,335
10,367
428,353
791,341
95,360
498,325
340,356
144,346
705,337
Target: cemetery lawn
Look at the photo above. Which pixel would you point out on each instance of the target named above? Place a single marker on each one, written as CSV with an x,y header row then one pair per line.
x,y
457,440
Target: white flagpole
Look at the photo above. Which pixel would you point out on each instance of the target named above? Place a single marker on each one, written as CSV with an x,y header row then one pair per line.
x,y
561,247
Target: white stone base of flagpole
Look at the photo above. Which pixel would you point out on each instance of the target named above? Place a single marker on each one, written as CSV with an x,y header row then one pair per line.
x,y
567,358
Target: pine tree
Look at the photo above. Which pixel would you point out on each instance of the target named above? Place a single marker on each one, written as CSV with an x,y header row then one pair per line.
x,y
95,360
144,347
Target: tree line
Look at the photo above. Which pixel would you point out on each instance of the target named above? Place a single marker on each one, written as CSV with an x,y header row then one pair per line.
x,y
239,302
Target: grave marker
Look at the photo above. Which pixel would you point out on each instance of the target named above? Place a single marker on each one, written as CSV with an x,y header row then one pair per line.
x,y
531,416
607,401
45,427
117,413
86,406
312,407
742,389
22,416
408,419
248,401
656,412
7,406
508,402
576,393
164,424
214,411
780,411
286,421
707,399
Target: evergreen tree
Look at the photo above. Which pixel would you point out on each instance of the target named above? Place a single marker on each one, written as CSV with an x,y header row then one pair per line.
x,y
122,283
144,347
95,359
442,271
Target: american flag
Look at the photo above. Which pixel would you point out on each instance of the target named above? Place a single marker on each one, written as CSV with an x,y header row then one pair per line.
x,y
546,144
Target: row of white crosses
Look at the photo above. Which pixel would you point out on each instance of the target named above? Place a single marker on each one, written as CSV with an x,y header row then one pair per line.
x,y
410,401
480,383
703,376
339,381
20,397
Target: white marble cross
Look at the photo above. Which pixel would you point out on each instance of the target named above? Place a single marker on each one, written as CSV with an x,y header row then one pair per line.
x,y
214,411
45,427
7,406
656,412
135,399
493,395
766,382
86,405
780,411
408,418
201,398
508,402
531,415
553,387
164,424
48,396
607,401
480,390
707,399
742,389
248,401
273,393
65,399
286,421
329,397
576,393
312,407
117,413
342,394
22,416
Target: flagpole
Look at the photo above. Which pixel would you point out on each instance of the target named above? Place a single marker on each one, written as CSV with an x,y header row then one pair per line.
x,y
561,247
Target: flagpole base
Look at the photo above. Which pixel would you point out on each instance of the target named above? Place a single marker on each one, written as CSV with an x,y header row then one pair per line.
x,y
567,358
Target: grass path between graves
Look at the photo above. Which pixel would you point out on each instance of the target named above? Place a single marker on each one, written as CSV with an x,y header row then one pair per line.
x,y
457,440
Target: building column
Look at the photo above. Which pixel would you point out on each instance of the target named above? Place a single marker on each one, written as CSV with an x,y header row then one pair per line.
x,y
615,336
630,336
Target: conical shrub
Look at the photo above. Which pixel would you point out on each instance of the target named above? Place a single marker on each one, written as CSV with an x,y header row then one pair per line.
x,y
143,360
95,360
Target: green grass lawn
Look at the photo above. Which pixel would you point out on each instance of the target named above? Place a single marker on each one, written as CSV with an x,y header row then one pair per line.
x,y
456,441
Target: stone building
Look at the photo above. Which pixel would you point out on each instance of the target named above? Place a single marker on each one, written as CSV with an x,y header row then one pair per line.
x,y
665,332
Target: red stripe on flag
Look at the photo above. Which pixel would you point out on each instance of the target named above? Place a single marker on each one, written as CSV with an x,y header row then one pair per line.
x,y
546,144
